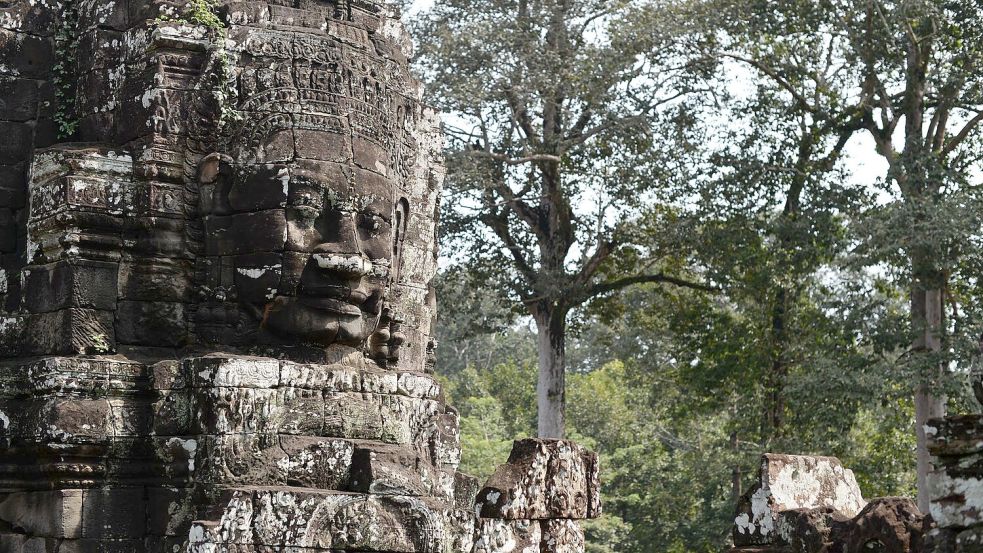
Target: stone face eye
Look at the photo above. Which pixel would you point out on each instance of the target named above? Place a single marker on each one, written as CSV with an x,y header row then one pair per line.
x,y
308,199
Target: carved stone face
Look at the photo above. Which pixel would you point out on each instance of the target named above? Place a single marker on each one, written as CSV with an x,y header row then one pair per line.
x,y
340,251
309,244
303,206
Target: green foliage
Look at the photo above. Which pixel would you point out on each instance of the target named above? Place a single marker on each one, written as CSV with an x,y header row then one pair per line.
x,y
202,12
497,405
63,71
806,344
551,154
879,449
476,328
484,441
900,74
199,12
670,397
100,344
606,534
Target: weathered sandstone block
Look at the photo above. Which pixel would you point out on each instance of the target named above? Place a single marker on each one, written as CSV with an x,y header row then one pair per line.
x,y
507,536
50,514
790,482
812,505
543,479
956,485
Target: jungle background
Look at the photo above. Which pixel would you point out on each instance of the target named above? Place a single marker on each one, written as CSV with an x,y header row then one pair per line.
x,y
722,218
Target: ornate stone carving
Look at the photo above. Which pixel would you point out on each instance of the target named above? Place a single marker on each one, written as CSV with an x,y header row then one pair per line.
x,y
217,236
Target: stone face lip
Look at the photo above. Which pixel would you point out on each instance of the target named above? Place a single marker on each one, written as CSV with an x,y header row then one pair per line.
x,y
543,479
788,482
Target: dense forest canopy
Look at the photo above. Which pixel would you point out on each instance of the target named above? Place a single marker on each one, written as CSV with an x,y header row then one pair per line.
x,y
694,231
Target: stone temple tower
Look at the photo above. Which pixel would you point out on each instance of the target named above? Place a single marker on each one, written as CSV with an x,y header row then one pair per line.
x,y
217,238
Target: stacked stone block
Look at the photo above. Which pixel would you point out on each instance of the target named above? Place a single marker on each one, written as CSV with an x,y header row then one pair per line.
x,y
318,457
267,443
26,119
533,502
102,258
956,484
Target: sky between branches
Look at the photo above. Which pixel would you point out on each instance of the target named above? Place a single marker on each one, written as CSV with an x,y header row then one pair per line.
x,y
863,163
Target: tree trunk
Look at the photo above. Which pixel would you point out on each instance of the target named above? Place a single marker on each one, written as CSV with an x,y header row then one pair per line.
x,y
926,315
774,415
551,328
735,477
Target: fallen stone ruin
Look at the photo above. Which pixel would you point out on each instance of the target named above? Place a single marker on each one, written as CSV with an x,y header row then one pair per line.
x,y
806,504
217,240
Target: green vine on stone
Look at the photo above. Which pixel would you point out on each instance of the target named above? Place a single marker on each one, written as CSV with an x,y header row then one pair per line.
x,y
63,71
225,91
199,12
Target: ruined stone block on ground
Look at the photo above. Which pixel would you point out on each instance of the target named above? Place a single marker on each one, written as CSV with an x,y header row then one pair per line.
x,y
788,482
543,479
803,504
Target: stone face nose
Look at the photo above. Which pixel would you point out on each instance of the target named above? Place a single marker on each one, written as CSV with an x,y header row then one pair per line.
x,y
340,240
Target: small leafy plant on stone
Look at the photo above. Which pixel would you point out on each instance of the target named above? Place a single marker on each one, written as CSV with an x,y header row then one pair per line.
x,y
66,45
100,344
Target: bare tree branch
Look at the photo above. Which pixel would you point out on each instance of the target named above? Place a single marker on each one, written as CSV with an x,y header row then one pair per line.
x,y
962,135
534,158
615,285
773,75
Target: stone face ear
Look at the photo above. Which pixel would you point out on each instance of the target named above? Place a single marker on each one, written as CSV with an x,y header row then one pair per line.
x,y
400,218
214,179
211,166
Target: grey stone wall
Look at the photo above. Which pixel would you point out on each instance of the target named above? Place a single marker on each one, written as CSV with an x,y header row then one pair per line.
x,y
956,484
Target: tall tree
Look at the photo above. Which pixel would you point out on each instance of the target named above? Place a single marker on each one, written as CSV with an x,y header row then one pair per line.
x,y
551,151
776,192
911,78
